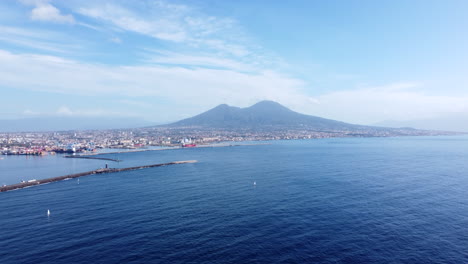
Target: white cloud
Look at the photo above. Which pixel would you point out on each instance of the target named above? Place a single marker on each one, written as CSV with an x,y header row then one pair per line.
x,y
64,111
44,11
200,86
116,40
29,112
398,101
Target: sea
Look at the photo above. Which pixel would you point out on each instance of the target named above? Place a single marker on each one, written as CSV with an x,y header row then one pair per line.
x,y
339,200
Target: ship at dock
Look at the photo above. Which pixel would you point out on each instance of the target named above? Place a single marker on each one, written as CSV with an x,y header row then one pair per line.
x,y
187,143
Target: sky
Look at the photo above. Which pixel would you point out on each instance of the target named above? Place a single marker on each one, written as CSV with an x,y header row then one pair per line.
x,y
360,61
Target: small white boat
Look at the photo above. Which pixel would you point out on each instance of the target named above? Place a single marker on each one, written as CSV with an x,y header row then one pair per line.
x,y
48,212
255,183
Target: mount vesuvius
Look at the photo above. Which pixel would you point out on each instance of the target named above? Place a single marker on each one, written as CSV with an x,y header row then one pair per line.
x,y
263,115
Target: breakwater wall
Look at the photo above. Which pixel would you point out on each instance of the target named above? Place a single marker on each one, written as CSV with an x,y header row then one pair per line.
x,y
90,157
77,175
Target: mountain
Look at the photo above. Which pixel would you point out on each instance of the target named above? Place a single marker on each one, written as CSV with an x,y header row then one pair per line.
x,y
265,114
51,123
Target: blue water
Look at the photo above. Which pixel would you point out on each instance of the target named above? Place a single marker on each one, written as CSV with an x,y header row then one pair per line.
x,y
375,200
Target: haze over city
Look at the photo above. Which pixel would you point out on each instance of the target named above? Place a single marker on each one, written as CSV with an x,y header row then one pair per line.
x,y
395,63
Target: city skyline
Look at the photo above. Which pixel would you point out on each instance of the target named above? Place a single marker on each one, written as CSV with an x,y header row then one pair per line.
x,y
358,62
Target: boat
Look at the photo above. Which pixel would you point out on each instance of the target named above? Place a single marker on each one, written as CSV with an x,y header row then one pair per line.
x,y
48,212
187,143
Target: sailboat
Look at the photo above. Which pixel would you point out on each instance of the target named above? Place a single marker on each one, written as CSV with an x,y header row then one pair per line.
x,y
48,212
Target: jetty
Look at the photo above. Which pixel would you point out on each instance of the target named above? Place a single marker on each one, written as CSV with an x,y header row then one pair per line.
x,y
30,183
89,157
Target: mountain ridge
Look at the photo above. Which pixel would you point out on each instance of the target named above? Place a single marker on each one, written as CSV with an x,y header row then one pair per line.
x,y
260,115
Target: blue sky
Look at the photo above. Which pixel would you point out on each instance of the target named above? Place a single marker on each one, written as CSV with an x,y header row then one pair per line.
x,y
355,61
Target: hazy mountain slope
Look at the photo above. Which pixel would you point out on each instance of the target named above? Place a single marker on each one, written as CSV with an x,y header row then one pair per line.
x,y
453,122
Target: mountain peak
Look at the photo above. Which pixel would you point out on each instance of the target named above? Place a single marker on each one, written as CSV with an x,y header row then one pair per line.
x,y
271,108
267,103
222,106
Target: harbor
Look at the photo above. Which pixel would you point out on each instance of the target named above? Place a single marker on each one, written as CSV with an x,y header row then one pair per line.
x,y
162,149
34,182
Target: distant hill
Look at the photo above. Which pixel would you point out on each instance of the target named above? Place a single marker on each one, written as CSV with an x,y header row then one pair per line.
x,y
35,124
450,122
265,114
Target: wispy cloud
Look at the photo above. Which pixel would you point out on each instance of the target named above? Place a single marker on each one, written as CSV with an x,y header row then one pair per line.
x,y
201,60
136,103
125,19
37,39
175,23
197,38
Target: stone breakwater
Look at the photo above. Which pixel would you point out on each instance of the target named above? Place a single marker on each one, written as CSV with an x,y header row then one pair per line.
x,y
87,157
77,175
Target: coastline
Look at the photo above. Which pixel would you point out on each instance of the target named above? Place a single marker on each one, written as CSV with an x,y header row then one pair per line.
x,y
161,149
